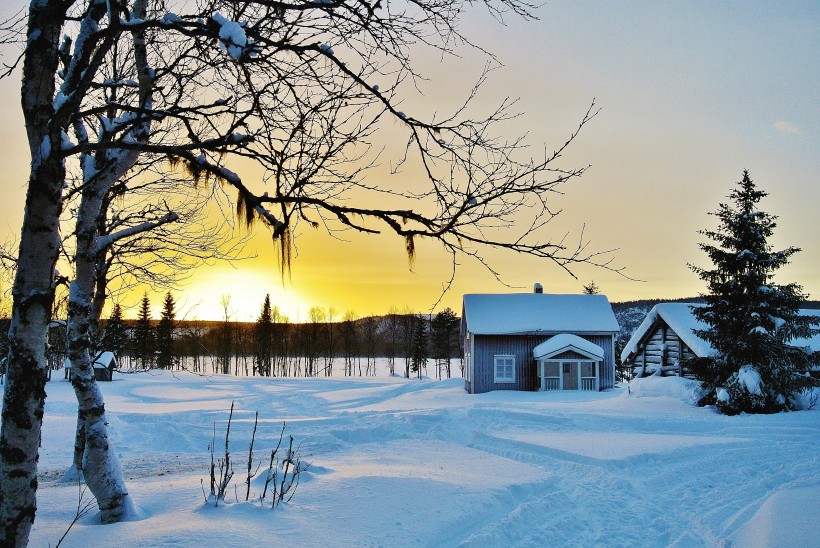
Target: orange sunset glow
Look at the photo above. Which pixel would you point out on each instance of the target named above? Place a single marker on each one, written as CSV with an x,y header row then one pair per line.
x,y
689,97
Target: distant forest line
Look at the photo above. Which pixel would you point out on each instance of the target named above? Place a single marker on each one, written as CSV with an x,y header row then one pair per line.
x,y
310,348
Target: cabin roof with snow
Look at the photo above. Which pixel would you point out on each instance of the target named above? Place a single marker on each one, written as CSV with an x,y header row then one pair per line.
x,y
104,361
536,313
566,342
812,343
680,318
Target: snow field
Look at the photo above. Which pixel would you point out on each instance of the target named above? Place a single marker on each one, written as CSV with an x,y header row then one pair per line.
x,y
399,462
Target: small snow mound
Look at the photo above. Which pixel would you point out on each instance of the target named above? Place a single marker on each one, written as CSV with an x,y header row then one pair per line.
x,y
687,390
781,520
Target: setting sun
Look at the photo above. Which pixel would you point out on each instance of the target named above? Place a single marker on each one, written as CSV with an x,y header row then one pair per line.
x,y
242,292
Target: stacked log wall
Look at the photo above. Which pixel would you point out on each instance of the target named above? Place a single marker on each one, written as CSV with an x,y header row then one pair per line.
x,y
662,349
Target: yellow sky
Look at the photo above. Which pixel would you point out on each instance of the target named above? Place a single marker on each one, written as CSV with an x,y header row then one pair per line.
x,y
690,96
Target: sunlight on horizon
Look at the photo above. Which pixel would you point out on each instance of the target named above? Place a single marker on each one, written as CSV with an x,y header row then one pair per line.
x,y
689,96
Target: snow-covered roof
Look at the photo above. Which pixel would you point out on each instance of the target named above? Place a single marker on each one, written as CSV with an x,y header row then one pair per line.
x,y
104,360
679,317
812,343
519,313
564,342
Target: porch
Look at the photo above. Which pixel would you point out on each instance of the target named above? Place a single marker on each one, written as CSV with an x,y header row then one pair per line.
x,y
568,362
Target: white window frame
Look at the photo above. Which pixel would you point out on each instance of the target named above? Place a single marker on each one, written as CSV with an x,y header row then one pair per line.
x,y
503,360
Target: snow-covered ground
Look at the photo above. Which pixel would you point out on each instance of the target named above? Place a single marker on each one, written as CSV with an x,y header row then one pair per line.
x,y
399,462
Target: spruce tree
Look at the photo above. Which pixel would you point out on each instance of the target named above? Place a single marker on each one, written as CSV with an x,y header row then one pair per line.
x,y
444,338
166,355
591,288
751,319
116,337
418,358
263,338
143,337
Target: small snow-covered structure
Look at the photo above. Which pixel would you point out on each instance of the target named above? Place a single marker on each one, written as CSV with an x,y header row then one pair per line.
x,y
538,341
104,367
666,339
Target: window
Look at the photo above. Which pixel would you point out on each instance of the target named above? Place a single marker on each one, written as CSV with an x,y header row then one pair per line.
x,y
504,370
588,369
551,370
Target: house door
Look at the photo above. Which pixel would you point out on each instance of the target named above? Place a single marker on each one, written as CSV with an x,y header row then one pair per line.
x,y
570,375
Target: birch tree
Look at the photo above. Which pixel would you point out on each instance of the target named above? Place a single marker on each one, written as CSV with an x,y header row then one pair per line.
x,y
302,90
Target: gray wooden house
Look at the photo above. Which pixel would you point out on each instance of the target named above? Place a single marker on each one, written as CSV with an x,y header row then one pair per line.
x,y
537,341
666,339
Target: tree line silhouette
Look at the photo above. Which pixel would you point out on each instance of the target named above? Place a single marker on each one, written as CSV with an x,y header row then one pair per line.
x,y
273,346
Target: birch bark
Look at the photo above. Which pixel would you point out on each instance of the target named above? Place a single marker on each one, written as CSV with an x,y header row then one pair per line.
x,y
33,292
100,465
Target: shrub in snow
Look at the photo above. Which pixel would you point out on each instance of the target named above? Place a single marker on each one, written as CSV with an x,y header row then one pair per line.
x,y
807,399
751,319
743,393
281,479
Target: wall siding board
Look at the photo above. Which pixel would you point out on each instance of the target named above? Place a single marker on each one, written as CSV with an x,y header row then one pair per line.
x,y
526,375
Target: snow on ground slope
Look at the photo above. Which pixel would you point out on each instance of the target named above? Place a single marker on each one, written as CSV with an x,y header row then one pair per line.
x,y
399,462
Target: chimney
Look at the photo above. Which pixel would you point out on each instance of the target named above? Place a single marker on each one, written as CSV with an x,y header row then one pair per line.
x,y
537,288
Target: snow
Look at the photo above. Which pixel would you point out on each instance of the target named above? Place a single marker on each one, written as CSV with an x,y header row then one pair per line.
x,y
232,37
171,18
45,148
750,380
59,100
680,388
505,314
563,342
812,343
403,462
65,141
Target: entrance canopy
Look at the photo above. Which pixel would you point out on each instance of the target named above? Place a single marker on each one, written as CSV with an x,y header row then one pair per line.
x,y
566,342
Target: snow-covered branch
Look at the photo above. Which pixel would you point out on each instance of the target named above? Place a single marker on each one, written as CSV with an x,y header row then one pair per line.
x,y
104,242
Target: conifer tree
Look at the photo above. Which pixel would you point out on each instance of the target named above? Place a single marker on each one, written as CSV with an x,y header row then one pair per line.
x,y
143,337
444,339
418,358
263,338
166,355
591,288
116,336
751,318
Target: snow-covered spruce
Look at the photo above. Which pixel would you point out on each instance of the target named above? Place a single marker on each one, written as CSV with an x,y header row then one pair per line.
x,y
751,320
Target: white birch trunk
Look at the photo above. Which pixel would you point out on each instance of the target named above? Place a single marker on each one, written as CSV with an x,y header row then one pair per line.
x,y
100,465
33,293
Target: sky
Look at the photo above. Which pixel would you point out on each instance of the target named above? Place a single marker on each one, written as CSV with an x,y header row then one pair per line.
x,y
690,95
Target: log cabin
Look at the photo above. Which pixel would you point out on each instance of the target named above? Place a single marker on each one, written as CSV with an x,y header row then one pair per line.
x,y
538,341
666,339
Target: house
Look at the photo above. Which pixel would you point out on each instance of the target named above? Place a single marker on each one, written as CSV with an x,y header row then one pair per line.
x,y
538,341
665,340
104,366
